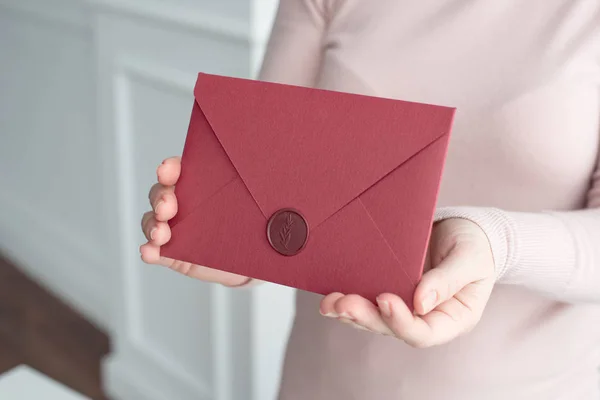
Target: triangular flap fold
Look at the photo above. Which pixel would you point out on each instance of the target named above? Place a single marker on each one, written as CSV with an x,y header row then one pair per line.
x,y
310,149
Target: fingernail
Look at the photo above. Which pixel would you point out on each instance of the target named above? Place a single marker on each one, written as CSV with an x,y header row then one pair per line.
x,y
362,328
152,233
157,206
347,316
429,301
385,308
345,320
330,315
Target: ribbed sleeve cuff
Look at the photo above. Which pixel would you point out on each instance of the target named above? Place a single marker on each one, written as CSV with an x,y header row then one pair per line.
x,y
535,250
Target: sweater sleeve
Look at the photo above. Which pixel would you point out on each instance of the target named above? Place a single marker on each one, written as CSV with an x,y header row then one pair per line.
x,y
294,51
556,253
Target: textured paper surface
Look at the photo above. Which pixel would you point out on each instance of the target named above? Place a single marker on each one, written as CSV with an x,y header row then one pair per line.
x,y
364,172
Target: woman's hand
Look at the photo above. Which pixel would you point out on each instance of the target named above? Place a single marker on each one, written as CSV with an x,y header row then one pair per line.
x,y
449,300
157,231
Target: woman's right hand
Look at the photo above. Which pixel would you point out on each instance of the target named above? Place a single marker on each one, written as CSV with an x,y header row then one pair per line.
x,y
157,230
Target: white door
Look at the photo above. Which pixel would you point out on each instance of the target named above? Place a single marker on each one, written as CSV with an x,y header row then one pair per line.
x,y
114,81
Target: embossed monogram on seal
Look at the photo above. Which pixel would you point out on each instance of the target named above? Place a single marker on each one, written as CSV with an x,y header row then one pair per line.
x,y
287,231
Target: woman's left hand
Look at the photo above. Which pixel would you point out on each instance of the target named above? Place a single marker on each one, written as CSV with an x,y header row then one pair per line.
x,y
449,300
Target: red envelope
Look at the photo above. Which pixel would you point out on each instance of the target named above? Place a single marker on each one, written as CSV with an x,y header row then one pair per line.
x,y
314,189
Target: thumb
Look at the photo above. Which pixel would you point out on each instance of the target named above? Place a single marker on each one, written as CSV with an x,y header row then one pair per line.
x,y
441,283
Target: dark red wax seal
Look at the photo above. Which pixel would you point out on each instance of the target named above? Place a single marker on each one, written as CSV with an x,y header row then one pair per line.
x,y
287,231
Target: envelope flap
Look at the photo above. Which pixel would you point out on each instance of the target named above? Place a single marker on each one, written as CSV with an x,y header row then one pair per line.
x,y
309,149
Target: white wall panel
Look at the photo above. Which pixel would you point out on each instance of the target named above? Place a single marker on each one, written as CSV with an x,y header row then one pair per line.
x,y
51,201
95,93
239,9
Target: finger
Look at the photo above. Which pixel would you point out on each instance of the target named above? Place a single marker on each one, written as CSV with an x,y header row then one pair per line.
x,y
151,254
403,323
448,320
459,314
157,191
439,284
208,274
156,232
360,327
361,312
168,172
471,301
145,221
327,307
163,202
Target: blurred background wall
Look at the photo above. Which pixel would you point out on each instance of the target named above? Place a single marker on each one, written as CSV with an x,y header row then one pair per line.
x,y
93,95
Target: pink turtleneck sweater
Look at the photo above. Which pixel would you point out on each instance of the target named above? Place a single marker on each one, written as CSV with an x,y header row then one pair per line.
x,y
523,164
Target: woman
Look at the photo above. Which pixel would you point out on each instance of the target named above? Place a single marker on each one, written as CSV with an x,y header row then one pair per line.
x,y
510,305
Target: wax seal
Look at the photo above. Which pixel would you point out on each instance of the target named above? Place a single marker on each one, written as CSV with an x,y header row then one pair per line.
x,y
287,231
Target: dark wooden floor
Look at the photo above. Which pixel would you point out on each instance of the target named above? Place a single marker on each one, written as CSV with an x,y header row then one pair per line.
x,y
39,330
